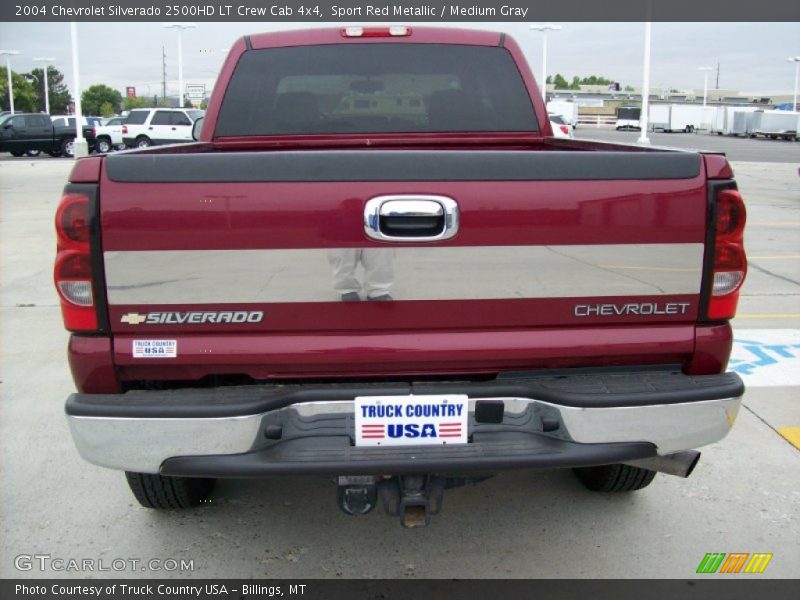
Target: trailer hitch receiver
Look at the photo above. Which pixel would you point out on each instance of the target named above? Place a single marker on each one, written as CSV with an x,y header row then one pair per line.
x,y
413,498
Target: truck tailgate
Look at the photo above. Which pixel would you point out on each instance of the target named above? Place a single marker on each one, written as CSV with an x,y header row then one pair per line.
x,y
242,258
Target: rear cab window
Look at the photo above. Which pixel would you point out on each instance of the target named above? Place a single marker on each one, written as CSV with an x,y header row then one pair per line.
x,y
371,88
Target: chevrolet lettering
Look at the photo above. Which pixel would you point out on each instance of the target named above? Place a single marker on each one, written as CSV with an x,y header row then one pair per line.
x,y
376,263
641,309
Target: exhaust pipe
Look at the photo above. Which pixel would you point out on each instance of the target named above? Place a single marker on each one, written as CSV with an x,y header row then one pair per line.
x,y
680,464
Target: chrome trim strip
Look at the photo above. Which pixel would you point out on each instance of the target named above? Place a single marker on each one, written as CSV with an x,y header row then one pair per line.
x,y
144,444
180,277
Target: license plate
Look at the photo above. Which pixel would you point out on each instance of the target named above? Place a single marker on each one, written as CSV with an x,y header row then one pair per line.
x,y
411,420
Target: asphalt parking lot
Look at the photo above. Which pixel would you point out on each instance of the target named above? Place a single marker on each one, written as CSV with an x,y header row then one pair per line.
x,y
743,149
743,496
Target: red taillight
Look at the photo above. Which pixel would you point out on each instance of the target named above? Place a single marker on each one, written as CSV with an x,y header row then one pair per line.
x,y
564,129
124,129
73,270
94,132
730,263
72,220
394,31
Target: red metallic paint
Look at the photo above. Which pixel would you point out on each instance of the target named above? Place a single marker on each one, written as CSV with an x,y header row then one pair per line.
x,y
323,340
717,166
227,216
92,365
713,345
414,353
86,170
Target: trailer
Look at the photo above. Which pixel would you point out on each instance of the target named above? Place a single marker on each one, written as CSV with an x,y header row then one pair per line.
x,y
658,116
775,124
683,117
733,120
628,117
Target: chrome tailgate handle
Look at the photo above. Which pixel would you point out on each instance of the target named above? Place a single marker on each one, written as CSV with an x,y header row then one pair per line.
x,y
411,218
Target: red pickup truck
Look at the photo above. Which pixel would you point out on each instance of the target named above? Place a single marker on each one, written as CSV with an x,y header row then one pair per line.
x,y
376,263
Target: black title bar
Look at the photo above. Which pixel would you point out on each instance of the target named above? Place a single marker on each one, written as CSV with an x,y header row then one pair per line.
x,y
406,11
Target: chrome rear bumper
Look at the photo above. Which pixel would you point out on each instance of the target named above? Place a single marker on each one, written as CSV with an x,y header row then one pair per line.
x,y
293,435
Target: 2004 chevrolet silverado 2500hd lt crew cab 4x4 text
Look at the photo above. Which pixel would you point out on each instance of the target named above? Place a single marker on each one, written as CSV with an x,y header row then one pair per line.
x,y
376,263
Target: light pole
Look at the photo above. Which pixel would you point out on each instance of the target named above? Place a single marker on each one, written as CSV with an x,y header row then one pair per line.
x,y
796,61
8,54
644,121
180,27
80,147
705,82
544,28
46,61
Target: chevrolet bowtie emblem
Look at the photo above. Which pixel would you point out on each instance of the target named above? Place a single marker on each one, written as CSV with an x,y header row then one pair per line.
x,y
133,319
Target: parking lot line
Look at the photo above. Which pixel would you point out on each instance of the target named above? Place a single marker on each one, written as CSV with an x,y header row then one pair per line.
x,y
791,435
649,268
768,316
778,257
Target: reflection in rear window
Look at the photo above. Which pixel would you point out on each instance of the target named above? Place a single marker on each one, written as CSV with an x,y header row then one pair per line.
x,y
373,88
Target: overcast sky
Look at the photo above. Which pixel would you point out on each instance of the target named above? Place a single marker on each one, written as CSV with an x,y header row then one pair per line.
x,y
753,56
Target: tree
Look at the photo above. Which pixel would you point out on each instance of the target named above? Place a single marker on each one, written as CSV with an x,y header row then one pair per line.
x,y
60,98
107,110
549,79
131,103
187,103
24,94
629,88
576,83
95,96
560,82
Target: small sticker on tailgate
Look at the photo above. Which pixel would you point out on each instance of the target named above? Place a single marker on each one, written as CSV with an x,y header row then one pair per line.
x,y
411,420
155,348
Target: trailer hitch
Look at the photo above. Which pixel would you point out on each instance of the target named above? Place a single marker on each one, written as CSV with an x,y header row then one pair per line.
x,y
413,498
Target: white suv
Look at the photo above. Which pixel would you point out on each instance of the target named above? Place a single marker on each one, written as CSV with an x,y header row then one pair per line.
x,y
156,126
109,135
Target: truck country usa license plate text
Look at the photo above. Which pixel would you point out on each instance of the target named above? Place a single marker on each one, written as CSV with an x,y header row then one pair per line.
x,y
155,348
411,420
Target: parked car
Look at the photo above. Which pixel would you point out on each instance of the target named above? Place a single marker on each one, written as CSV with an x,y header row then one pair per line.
x,y
561,128
32,133
109,134
69,120
419,299
157,126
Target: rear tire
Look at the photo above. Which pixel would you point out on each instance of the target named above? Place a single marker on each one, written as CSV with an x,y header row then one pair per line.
x,y
143,142
103,145
162,492
17,154
33,153
614,478
68,147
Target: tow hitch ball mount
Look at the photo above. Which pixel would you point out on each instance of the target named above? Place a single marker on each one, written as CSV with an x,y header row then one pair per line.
x,y
413,498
